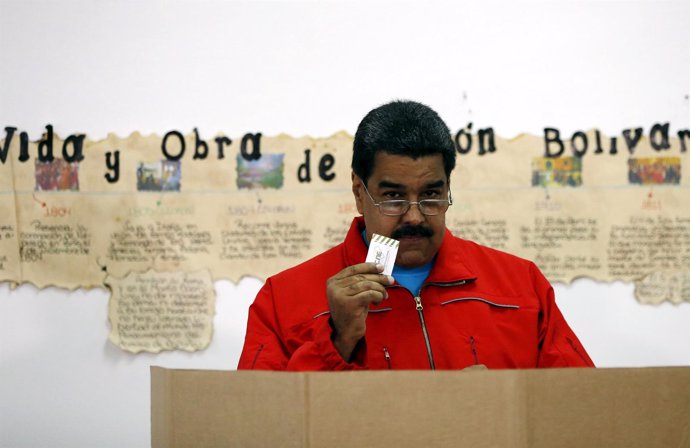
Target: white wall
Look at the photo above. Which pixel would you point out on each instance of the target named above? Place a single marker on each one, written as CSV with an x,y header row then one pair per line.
x,y
309,68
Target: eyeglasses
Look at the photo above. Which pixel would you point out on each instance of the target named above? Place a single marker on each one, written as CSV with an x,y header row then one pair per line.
x,y
397,207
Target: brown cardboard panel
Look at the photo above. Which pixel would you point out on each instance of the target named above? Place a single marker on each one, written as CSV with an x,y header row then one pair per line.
x,y
194,408
508,408
414,409
644,408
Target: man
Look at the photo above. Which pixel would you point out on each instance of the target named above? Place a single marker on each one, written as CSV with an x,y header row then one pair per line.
x,y
449,304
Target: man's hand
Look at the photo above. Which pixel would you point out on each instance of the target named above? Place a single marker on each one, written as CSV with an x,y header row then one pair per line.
x,y
350,292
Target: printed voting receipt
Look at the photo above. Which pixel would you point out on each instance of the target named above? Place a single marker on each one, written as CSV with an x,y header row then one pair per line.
x,y
382,250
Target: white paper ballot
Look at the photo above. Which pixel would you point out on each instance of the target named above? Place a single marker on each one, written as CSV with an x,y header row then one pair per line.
x,y
382,250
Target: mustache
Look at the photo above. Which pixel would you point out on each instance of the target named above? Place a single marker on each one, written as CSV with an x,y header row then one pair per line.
x,y
412,231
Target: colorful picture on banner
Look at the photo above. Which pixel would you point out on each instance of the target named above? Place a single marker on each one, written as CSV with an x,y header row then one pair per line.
x,y
267,172
654,171
57,175
557,172
164,175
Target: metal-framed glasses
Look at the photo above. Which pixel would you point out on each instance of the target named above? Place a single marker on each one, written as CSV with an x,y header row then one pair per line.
x,y
397,207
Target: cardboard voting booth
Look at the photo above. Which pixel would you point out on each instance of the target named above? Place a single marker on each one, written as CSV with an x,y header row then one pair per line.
x,y
648,407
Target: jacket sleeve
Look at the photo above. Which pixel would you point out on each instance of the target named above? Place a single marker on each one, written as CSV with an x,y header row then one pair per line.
x,y
558,344
268,347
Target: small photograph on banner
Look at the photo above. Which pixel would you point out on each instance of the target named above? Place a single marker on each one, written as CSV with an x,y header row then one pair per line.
x,y
57,175
164,175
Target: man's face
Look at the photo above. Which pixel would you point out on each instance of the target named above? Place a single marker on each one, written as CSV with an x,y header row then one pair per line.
x,y
401,177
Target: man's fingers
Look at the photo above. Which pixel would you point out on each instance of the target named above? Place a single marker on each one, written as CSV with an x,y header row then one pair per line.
x,y
350,292
359,288
367,279
370,296
360,268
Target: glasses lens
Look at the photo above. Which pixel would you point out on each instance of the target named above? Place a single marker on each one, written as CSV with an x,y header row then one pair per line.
x,y
432,206
394,208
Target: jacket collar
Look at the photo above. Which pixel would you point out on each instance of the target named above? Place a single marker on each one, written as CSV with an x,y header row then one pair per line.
x,y
449,266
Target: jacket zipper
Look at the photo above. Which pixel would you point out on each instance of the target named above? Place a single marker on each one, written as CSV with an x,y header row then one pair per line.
x,y
474,350
479,299
256,356
387,356
455,283
420,309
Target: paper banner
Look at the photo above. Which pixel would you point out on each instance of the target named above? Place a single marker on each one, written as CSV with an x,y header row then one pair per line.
x,y
607,208
156,311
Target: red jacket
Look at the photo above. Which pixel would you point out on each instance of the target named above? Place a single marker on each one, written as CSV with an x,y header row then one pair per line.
x,y
478,306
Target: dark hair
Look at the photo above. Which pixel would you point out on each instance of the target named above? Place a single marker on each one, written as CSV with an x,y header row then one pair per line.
x,y
403,128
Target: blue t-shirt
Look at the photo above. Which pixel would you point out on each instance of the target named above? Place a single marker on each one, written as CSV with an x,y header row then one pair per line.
x,y
410,278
